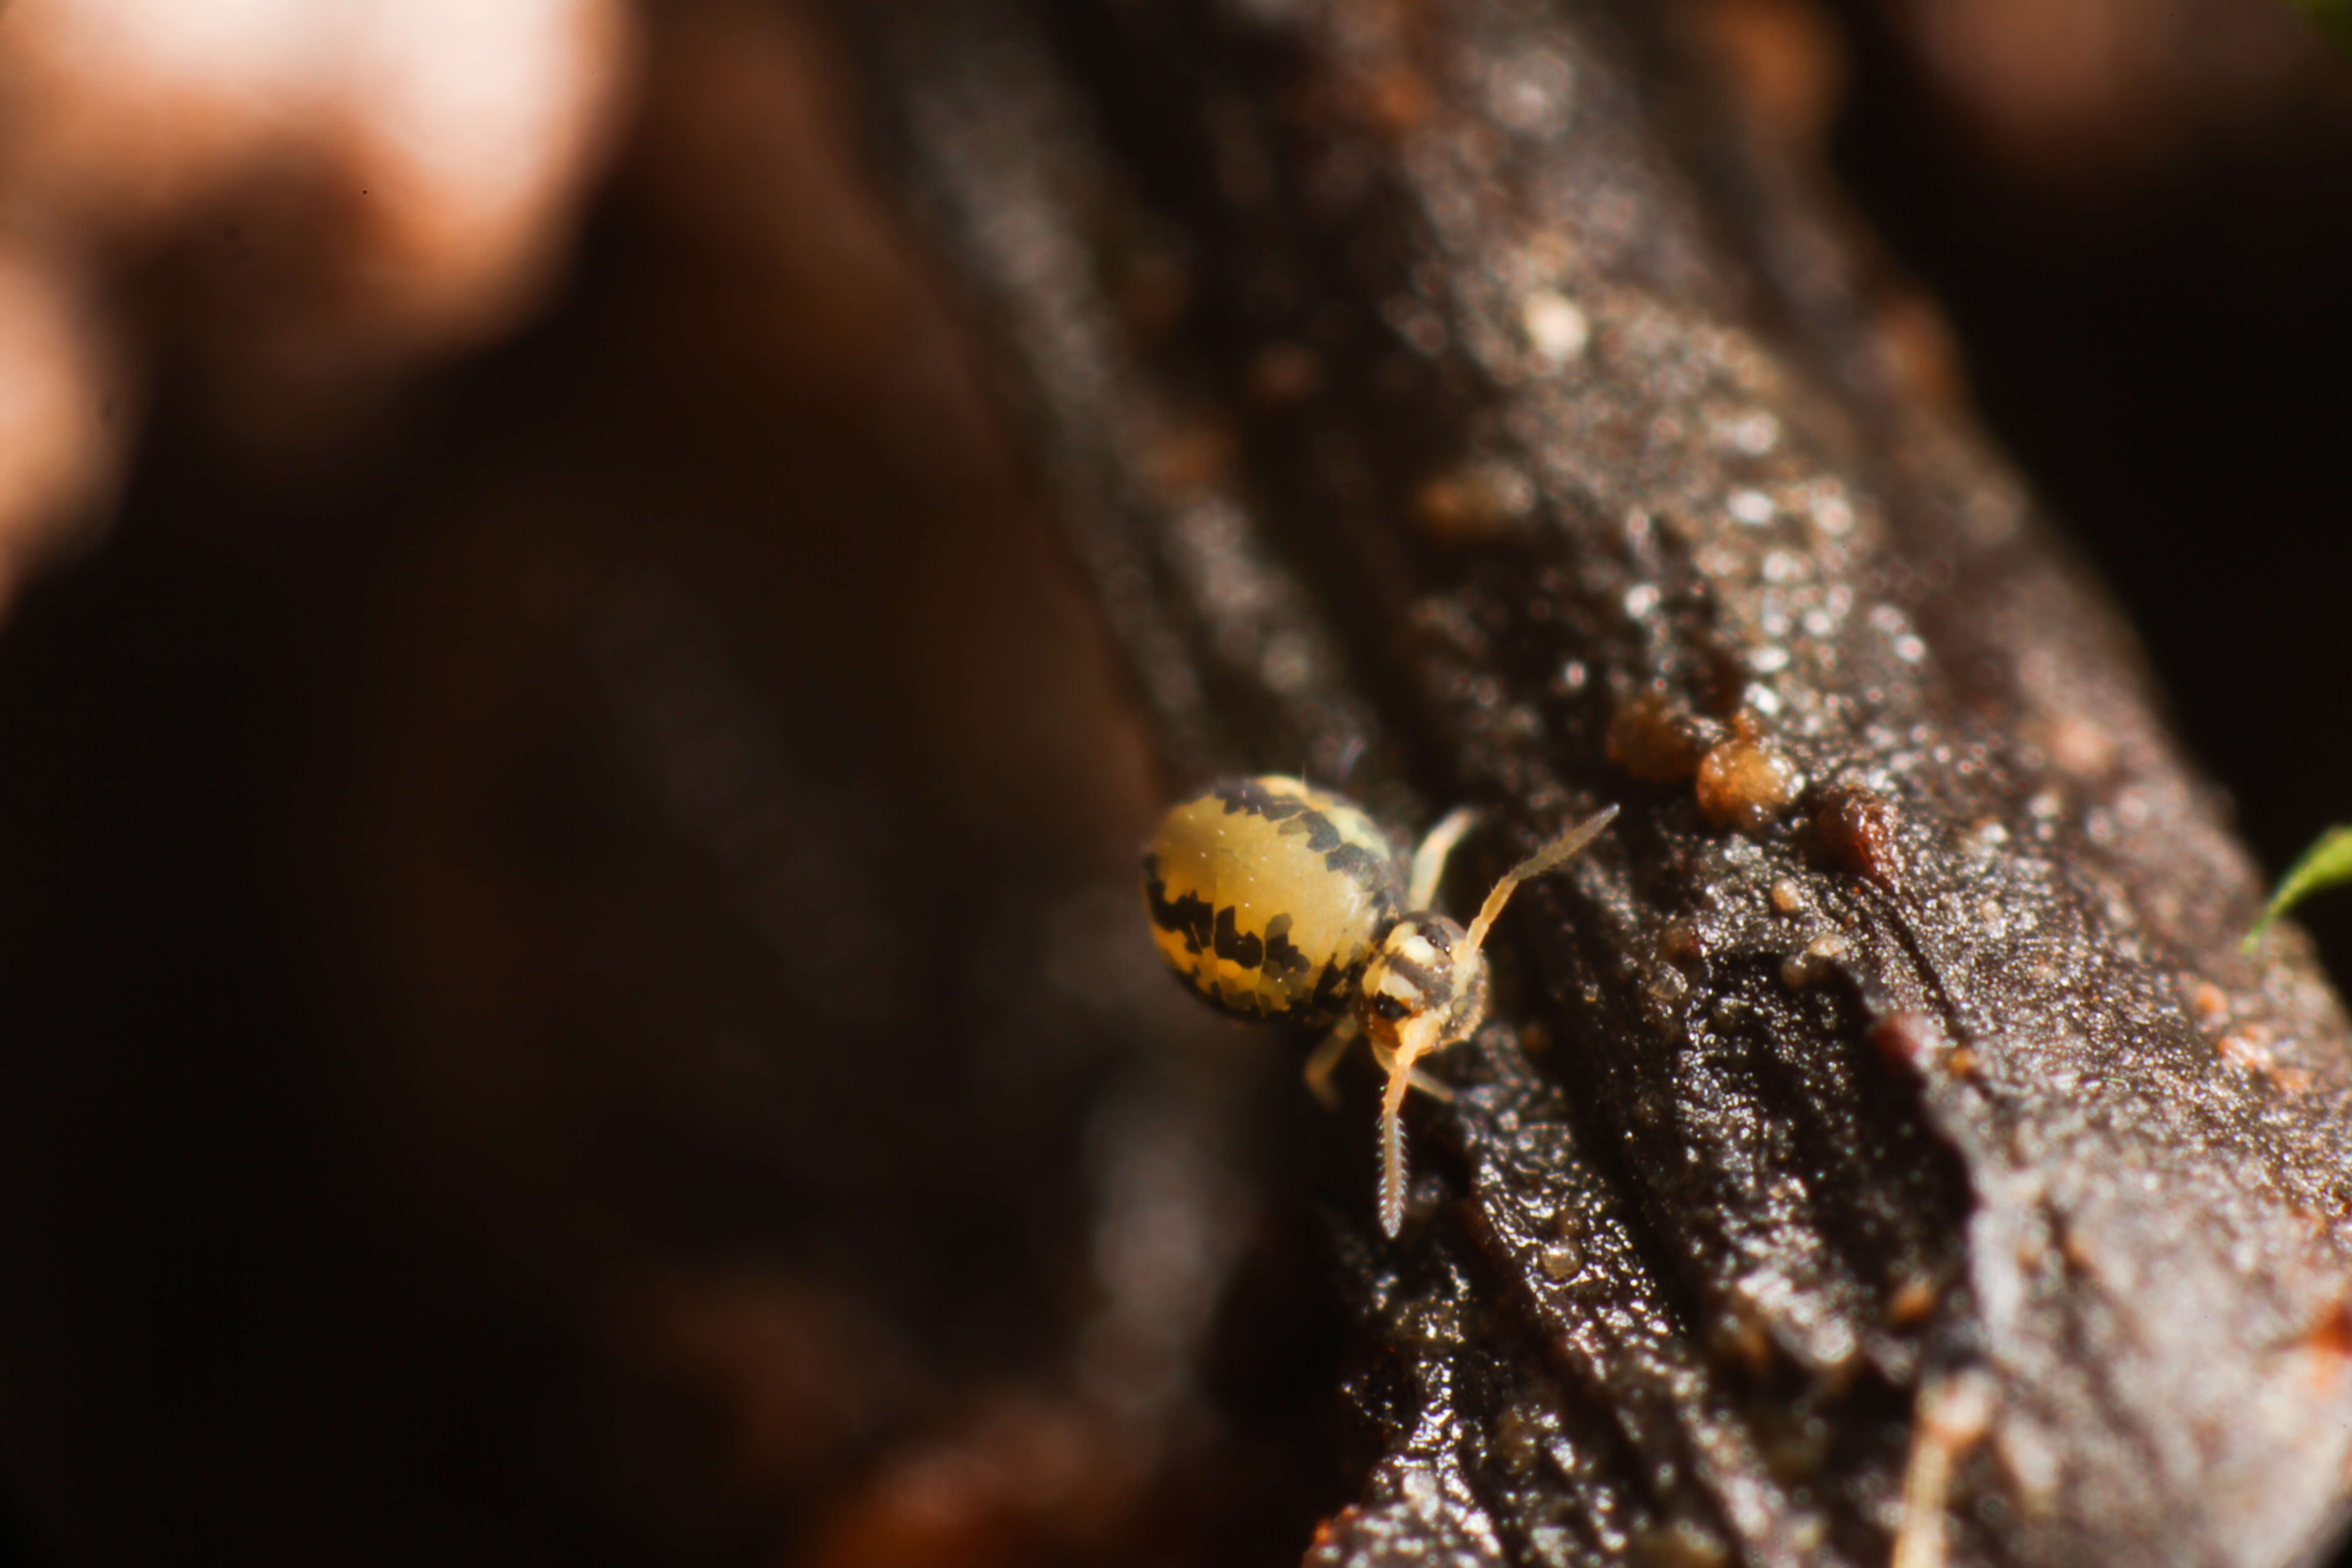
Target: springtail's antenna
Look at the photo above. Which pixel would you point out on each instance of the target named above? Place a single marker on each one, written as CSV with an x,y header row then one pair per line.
x,y
1418,1038
1536,865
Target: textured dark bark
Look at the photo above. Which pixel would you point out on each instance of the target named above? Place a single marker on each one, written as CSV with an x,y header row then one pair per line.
x,y
1442,393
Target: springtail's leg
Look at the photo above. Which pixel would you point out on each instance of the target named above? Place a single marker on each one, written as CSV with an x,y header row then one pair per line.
x,y
1429,860
1326,1061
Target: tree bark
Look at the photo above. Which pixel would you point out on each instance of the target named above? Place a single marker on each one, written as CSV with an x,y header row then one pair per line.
x,y
1882,1145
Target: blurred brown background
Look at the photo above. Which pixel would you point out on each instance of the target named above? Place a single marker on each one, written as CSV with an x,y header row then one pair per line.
x,y
568,984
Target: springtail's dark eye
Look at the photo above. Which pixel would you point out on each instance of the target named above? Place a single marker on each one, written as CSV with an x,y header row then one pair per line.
x,y
1389,1007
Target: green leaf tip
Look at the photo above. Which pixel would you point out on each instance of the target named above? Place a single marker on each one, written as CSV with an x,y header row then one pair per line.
x,y
2327,864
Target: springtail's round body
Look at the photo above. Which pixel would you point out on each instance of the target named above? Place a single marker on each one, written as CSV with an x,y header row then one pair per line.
x,y
1274,900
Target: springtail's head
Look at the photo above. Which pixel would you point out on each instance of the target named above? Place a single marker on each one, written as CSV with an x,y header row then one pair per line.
x,y
1425,988
1425,980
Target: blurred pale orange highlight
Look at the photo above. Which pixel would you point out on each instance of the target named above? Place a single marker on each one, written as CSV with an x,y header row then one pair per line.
x,y
413,167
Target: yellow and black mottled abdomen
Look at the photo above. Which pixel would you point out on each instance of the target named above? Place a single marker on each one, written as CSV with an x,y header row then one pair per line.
x,y
1266,896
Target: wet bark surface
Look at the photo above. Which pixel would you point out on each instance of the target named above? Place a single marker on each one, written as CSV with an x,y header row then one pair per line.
x,y
1882,1144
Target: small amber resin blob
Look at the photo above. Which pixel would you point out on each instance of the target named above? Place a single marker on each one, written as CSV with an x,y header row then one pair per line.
x,y
1745,783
